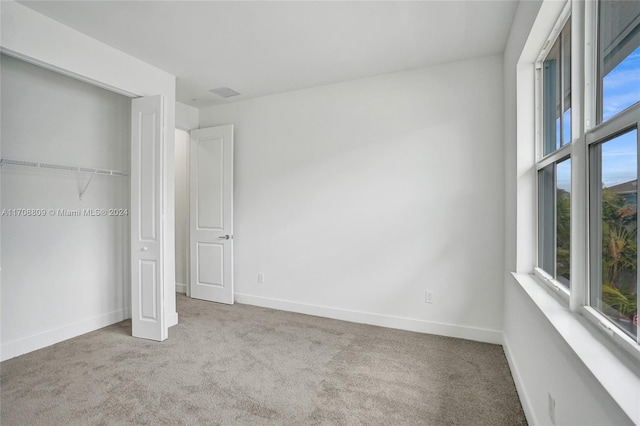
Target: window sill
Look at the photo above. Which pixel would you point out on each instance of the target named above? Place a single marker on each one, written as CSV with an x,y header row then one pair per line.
x,y
616,371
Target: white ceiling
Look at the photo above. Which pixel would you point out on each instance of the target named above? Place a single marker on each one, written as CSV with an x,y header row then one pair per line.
x,y
267,47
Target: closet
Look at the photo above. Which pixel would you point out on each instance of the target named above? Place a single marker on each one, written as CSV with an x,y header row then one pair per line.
x,y
65,201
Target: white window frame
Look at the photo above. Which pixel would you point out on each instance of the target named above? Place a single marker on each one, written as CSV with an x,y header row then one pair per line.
x,y
584,133
556,156
620,123
614,369
594,133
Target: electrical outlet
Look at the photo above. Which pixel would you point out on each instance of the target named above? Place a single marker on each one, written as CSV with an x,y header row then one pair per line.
x,y
260,277
428,296
552,409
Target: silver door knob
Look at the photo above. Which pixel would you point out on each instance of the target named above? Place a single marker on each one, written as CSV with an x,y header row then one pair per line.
x,y
224,237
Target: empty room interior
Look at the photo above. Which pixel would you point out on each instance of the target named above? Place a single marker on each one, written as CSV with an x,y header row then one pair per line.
x,y
323,212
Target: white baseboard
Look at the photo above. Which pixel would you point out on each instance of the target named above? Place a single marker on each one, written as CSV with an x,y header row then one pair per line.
x,y
38,341
389,321
181,288
525,401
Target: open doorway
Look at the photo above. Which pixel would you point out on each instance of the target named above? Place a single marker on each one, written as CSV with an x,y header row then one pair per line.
x,y
182,210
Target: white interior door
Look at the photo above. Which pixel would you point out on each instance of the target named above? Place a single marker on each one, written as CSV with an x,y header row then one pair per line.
x,y
147,289
211,214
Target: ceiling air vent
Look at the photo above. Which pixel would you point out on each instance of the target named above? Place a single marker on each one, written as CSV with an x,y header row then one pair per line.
x,y
224,92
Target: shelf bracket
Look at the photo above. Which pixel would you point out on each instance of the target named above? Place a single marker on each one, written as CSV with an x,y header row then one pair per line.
x,y
86,185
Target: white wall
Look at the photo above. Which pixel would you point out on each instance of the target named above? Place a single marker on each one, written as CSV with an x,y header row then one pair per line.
x,y
62,272
355,198
541,360
182,210
542,363
187,117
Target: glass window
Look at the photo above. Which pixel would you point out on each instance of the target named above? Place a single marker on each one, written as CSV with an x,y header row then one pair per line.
x,y
554,212
619,56
554,169
556,93
566,83
614,179
563,221
551,96
608,175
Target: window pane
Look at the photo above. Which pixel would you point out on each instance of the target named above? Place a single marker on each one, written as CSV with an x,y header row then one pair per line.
x,y
566,84
554,227
563,221
614,270
546,219
556,86
619,56
551,96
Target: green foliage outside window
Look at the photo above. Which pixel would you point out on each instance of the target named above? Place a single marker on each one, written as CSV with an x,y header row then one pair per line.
x,y
619,256
563,229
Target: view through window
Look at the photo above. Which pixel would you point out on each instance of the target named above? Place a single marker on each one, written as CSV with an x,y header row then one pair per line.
x,y
614,168
614,288
554,169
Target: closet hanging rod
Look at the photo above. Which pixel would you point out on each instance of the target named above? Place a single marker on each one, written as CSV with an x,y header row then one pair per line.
x,y
8,162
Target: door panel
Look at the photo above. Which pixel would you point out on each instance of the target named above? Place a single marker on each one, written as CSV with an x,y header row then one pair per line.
x,y
146,178
210,261
210,182
211,217
147,296
148,288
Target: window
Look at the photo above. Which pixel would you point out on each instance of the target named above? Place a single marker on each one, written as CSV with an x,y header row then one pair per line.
x,y
554,211
614,225
557,93
599,137
554,167
618,56
613,168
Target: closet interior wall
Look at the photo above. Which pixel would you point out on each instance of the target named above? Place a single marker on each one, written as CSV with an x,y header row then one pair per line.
x,y
64,271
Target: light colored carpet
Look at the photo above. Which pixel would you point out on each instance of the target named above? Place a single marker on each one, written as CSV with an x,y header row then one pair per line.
x,y
248,365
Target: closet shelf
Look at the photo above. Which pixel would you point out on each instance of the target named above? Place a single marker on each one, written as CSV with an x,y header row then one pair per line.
x,y
8,162
92,172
